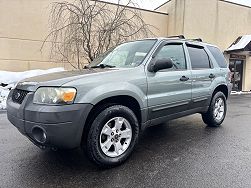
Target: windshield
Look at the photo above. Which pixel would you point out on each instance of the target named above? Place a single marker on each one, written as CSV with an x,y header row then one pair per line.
x,y
130,54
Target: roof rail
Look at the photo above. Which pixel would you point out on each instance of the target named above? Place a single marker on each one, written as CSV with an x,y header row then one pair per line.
x,y
183,37
198,39
177,36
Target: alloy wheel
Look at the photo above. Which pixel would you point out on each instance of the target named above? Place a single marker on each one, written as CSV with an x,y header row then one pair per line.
x,y
115,137
219,109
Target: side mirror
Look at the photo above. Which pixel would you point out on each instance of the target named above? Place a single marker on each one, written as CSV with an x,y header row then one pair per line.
x,y
160,64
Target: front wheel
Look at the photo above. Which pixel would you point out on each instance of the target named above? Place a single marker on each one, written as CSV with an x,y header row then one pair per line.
x,y
112,136
217,111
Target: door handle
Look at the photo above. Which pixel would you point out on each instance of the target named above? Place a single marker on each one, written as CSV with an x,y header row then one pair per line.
x,y
211,76
184,78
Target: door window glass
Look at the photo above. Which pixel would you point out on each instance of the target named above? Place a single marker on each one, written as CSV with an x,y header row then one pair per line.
x,y
199,58
176,53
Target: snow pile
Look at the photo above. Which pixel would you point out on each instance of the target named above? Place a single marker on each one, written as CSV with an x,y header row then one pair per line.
x,y
240,92
8,80
4,91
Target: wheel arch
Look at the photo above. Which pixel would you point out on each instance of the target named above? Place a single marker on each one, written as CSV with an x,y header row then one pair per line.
x,y
223,88
125,100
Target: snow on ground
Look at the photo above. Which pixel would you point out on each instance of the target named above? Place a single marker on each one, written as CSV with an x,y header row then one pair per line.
x,y
8,80
240,92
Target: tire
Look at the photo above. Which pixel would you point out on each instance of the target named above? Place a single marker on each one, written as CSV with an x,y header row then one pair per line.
x,y
112,136
217,110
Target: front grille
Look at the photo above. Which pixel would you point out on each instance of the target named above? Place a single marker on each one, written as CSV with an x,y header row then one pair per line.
x,y
18,95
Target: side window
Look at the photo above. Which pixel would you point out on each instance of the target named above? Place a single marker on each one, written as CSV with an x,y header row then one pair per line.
x,y
174,52
199,58
218,56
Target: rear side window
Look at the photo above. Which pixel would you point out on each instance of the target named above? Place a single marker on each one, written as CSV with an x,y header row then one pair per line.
x,y
218,56
199,58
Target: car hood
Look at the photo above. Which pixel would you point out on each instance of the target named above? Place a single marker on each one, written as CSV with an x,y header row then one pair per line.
x,y
57,79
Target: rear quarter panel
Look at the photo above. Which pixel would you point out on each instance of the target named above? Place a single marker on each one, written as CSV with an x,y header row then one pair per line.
x,y
220,73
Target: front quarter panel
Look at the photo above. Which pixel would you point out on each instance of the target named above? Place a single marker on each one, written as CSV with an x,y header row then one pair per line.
x,y
93,89
104,91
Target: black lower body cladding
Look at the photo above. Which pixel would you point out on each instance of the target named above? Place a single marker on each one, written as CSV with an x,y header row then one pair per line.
x,y
49,126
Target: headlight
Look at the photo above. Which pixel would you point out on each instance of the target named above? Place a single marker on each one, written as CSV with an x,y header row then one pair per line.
x,y
54,95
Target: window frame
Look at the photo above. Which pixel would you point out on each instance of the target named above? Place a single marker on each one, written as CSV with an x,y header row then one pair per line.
x,y
211,66
165,43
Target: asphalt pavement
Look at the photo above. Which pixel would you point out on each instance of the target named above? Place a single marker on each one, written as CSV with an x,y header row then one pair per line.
x,y
180,153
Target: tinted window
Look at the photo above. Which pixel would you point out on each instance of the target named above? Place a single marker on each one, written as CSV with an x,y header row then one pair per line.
x,y
218,56
174,52
199,58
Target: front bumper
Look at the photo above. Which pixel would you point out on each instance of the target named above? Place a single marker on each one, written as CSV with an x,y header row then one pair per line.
x,y
62,124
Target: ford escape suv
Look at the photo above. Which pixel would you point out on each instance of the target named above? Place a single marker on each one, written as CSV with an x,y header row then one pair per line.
x,y
104,107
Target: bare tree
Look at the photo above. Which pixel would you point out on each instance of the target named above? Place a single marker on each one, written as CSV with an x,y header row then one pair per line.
x,y
82,30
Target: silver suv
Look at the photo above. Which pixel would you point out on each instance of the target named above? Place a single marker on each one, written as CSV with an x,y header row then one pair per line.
x,y
104,107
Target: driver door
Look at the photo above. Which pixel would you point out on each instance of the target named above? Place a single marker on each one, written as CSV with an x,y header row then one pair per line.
x,y
169,90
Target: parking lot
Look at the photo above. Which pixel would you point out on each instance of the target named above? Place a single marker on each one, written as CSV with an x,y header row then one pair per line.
x,y
181,153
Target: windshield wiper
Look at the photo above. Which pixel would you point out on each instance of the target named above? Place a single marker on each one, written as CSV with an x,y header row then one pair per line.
x,y
102,66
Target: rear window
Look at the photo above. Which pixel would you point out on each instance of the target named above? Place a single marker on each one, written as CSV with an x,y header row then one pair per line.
x,y
218,56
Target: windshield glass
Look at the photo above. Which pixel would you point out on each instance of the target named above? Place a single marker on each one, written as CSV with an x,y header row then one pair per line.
x,y
130,54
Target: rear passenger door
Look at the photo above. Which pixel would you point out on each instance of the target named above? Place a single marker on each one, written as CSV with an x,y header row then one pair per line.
x,y
202,75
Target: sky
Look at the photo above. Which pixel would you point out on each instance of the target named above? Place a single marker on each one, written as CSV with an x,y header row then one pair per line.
x,y
152,4
243,2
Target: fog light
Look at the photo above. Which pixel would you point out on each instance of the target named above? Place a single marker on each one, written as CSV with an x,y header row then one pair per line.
x,y
39,135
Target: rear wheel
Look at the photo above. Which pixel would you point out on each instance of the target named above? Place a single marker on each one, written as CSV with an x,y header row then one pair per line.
x,y
217,111
112,136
